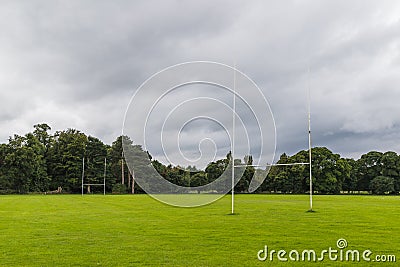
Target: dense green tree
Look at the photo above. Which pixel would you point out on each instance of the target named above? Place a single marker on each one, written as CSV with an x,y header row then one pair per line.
x,y
391,168
288,179
96,153
299,175
144,172
17,165
65,159
369,167
118,167
198,179
244,181
276,176
216,169
39,179
329,171
175,175
351,180
5,183
221,169
161,168
23,164
381,185
42,134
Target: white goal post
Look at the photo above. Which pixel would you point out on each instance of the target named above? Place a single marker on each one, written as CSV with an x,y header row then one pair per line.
x,y
90,184
269,165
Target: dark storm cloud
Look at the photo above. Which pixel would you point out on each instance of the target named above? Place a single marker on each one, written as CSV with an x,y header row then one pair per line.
x,y
76,64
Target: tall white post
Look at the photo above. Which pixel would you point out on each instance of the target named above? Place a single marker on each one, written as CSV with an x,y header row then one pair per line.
x,y
233,139
309,141
104,177
83,172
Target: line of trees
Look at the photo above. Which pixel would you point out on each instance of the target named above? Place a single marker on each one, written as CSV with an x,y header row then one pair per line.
x,y
374,172
41,162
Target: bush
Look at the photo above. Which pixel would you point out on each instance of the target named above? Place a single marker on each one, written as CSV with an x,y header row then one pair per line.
x,y
7,191
119,189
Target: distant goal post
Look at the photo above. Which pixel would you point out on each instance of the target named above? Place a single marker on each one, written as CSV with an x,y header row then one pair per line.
x,y
83,184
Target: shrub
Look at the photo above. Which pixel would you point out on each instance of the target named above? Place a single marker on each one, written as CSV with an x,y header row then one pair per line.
x,y
119,189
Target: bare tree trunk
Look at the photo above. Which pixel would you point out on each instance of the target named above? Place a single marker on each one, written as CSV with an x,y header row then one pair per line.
x,y
133,182
122,171
129,180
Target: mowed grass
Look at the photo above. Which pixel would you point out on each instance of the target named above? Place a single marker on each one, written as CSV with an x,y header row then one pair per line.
x,y
128,230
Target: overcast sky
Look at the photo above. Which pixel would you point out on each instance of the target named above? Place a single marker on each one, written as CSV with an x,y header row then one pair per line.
x,y
76,64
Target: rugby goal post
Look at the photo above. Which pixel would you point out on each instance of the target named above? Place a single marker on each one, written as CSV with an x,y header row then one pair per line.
x,y
309,163
93,184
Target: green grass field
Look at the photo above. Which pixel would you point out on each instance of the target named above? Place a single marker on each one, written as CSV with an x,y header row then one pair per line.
x,y
126,230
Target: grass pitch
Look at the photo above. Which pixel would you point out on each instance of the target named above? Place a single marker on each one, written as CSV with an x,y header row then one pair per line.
x,y
127,230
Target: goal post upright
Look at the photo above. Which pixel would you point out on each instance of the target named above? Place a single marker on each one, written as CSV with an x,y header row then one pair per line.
x,y
104,177
83,173
233,140
309,140
310,165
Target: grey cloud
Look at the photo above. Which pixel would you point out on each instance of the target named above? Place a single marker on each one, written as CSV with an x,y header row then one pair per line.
x,y
76,64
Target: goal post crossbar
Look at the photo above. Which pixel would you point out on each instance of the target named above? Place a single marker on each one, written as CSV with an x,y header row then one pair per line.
x,y
271,165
